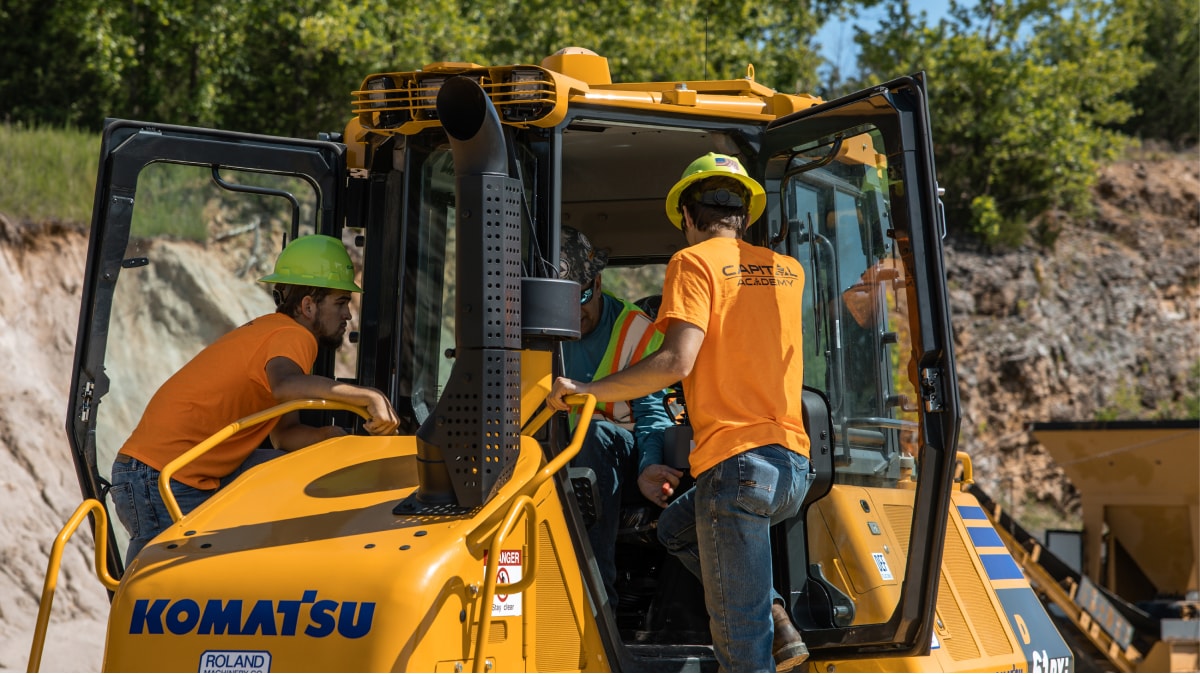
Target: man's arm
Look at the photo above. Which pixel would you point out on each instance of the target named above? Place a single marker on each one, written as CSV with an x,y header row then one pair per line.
x,y
650,420
656,481
289,434
289,382
672,362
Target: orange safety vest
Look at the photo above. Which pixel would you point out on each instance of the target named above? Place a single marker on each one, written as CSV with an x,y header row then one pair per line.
x,y
633,337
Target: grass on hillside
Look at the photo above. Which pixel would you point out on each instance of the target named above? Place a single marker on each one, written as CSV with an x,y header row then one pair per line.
x,y
51,177
51,173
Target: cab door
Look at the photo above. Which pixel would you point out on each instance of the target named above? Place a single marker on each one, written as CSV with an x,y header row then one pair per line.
x,y
852,195
184,222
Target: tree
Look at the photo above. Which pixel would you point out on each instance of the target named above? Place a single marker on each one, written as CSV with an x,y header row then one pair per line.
x,y
1025,95
1167,100
288,66
60,62
664,41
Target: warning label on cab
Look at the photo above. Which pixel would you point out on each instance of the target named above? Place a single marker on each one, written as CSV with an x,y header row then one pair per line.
x,y
508,570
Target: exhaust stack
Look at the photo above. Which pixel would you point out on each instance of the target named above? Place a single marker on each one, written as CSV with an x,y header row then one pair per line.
x,y
474,431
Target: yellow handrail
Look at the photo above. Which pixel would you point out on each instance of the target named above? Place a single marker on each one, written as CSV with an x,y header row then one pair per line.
x,y
968,477
51,583
164,479
521,505
585,419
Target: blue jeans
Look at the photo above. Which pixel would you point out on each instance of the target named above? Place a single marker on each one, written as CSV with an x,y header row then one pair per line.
x,y
140,507
608,450
721,530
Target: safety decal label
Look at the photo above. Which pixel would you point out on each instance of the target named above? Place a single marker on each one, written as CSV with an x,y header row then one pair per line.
x,y
235,661
508,570
882,565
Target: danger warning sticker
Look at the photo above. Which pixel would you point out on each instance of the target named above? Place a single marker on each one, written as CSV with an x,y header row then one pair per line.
x,y
508,570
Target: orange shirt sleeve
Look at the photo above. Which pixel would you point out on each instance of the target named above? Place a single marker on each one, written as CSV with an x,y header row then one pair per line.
x,y
687,293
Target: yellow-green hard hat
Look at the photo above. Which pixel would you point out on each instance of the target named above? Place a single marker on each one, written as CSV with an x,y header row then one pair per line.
x,y
317,260
713,165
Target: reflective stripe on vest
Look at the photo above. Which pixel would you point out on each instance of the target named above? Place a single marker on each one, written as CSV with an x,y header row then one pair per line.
x,y
632,339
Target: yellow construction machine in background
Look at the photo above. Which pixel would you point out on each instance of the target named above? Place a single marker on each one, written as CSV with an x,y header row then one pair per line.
x,y
1125,589
461,543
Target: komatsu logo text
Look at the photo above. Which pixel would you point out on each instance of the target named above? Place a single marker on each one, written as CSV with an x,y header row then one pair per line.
x,y
308,615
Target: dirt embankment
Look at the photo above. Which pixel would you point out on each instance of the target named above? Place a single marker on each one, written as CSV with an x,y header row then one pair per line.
x,y
1108,319
41,271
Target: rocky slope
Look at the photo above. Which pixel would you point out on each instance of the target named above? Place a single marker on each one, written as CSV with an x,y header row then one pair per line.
x,y
1106,321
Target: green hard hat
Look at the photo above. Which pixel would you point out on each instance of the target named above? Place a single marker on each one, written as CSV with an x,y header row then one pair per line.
x,y
317,260
713,165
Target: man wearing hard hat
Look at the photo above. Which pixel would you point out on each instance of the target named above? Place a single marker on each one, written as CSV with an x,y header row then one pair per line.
x,y
731,318
256,366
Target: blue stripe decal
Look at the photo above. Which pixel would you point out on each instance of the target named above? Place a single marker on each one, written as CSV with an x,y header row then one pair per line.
x,y
1001,567
971,513
985,537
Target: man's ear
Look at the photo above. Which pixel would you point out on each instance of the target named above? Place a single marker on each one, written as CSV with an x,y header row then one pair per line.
x,y
308,307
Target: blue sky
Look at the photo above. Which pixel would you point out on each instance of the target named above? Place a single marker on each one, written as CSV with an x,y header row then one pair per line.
x,y
837,37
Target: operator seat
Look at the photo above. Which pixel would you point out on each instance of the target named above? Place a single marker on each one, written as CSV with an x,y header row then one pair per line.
x,y
812,601
650,304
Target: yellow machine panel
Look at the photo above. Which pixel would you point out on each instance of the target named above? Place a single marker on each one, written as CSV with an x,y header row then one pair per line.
x,y
347,576
988,617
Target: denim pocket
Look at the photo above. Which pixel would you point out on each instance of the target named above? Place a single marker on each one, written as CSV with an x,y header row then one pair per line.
x,y
122,499
758,478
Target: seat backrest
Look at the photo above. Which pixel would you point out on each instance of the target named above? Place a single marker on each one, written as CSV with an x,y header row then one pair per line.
x,y
819,425
650,305
789,543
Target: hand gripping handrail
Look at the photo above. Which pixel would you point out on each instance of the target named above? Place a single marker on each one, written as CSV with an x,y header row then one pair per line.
x,y
521,505
164,479
100,533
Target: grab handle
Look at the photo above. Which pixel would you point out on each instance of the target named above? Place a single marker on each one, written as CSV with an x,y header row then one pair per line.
x,y
521,505
968,474
100,533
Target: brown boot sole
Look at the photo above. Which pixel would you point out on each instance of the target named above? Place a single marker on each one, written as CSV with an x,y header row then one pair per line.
x,y
791,656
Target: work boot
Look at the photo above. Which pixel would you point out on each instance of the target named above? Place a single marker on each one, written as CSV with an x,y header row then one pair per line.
x,y
787,647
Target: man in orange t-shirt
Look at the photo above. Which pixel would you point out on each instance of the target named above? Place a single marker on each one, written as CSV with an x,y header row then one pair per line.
x,y
256,366
731,315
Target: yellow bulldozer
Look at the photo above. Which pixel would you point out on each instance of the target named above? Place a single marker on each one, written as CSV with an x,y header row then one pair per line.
x,y
460,543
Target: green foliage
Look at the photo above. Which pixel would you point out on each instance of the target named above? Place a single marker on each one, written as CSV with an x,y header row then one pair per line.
x,y
670,40
50,173
1188,406
1025,94
288,68
60,62
1127,402
985,219
1124,404
1167,100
